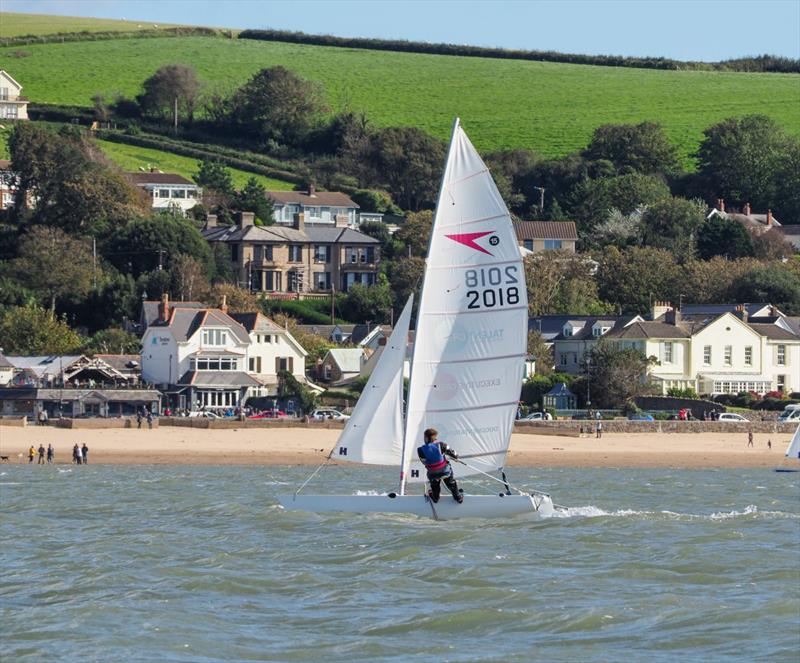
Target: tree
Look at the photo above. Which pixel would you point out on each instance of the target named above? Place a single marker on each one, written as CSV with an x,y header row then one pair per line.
x,y
672,224
170,83
415,233
54,265
215,175
409,161
723,237
238,299
277,105
405,275
74,187
713,280
113,341
619,229
771,245
368,302
561,282
32,330
743,160
541,352
775,283
642,147
188,279
253,198
617,376
152,243
631,279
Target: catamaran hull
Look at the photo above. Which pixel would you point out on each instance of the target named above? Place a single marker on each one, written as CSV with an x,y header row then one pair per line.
x,y
473,506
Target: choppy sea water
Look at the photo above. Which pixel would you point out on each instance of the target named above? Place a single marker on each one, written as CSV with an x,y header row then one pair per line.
x,y
170,563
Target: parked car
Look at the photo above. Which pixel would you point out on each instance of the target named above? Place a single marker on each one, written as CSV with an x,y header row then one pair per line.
x,y
269,414
790,413
537,416
731,416
641,416
205,414
328,413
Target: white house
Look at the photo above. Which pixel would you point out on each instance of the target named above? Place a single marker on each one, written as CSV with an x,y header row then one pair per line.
x,y
12,105
6,370
167,191
272,349
318,207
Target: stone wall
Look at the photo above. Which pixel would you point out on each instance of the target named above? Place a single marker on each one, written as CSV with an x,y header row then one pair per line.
x,y
626,426
100,422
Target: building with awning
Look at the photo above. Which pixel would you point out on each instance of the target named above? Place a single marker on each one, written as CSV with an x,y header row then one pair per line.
x,y
30,401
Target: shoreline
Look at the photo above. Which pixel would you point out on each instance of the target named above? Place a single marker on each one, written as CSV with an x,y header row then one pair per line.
x,y
310,447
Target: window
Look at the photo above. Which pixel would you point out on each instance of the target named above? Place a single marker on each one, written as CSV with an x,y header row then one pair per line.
x,y
528,244
272,281
284,364
668,352
780,355
313,212
255,364
567,331
217,364
234,252
322,281
781,382
552,244
564,359
707,355
748,355
728,356
261,253
3,94
191,193
370,254
162,193
322,253
295,253
215,337
179,193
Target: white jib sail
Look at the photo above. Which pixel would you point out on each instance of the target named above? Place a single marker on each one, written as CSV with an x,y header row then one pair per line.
x,y
793,450
471,333
374,433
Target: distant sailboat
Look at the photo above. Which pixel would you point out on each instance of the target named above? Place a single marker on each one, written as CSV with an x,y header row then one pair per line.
x,y
792,453
466,369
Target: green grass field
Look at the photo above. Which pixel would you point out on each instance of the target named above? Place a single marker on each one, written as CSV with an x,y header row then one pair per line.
x,y
15,25
132,158
548,107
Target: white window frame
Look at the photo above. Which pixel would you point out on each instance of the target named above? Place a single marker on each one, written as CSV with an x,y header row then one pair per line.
x,y
748,355
706,355
728,355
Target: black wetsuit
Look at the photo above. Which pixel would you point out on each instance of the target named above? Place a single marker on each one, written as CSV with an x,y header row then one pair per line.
x,y
439,469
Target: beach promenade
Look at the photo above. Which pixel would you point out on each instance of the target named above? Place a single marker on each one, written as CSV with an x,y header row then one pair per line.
x,y
309,446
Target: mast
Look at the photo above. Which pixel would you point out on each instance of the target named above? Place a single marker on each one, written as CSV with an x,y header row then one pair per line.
x,y
404,461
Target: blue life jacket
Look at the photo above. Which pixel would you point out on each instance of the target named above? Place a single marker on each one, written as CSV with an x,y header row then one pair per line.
x,y
433,457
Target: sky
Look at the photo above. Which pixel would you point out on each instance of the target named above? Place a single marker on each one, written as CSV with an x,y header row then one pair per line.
x,y
706,30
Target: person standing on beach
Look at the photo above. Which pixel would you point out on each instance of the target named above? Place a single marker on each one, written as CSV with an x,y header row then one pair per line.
x,y
41,455
31,453
599,429
149,419
50,454
769,444
85,454
138,418
76,455
750,439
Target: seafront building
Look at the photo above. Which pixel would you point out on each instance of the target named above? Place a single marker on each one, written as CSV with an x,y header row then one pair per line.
x,y
713,349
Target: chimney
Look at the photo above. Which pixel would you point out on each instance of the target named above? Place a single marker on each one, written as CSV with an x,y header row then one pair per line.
x,y
300,221
246,219
741,312
769,217
163,308
659,309
211,221
673,317
312,191
746,210
224,306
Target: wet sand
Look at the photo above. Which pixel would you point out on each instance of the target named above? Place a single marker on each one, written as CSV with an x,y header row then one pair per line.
x,y
310,446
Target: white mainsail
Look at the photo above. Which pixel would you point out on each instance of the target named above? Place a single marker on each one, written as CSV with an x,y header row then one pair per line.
x,y
374,433
471,332
793,450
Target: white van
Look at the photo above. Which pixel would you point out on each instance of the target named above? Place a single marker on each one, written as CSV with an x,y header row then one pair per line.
x,y
790,413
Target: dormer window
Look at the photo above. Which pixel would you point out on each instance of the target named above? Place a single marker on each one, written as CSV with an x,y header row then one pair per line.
x,y
567,331
599,331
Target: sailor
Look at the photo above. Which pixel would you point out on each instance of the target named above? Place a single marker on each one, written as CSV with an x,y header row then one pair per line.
x,y
432,454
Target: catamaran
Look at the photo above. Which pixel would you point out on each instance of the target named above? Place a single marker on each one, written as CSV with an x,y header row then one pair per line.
x,y
466,368
793,453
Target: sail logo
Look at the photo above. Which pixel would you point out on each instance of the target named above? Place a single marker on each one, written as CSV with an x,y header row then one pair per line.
x,y
457,338
447,386
470,240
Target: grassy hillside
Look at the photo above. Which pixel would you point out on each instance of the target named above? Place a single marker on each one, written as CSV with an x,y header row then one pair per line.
x,y
551,108
15,25
132,158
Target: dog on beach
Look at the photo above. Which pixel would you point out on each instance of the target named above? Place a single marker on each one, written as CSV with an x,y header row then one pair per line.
x,y
3,459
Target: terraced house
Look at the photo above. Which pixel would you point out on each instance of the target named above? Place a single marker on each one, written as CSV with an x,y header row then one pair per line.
x,y
714,349
297,258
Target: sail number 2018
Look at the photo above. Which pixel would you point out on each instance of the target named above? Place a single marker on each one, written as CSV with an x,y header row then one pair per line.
x,y
492,287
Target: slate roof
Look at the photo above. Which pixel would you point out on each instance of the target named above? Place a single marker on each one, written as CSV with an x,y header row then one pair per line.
x,y
150,310
651,330
553,325
44,365
326,331
316,199
120,362
545,230
116,395
774,332
4,363
699,309
278,234
560,389
257,322
218,379
184,322
141,179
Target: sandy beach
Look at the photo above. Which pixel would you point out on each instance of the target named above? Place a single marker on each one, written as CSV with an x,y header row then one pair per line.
x,y
309,446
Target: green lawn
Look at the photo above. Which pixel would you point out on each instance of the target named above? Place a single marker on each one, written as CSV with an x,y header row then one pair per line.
x,y
551,108
15,25
132,158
